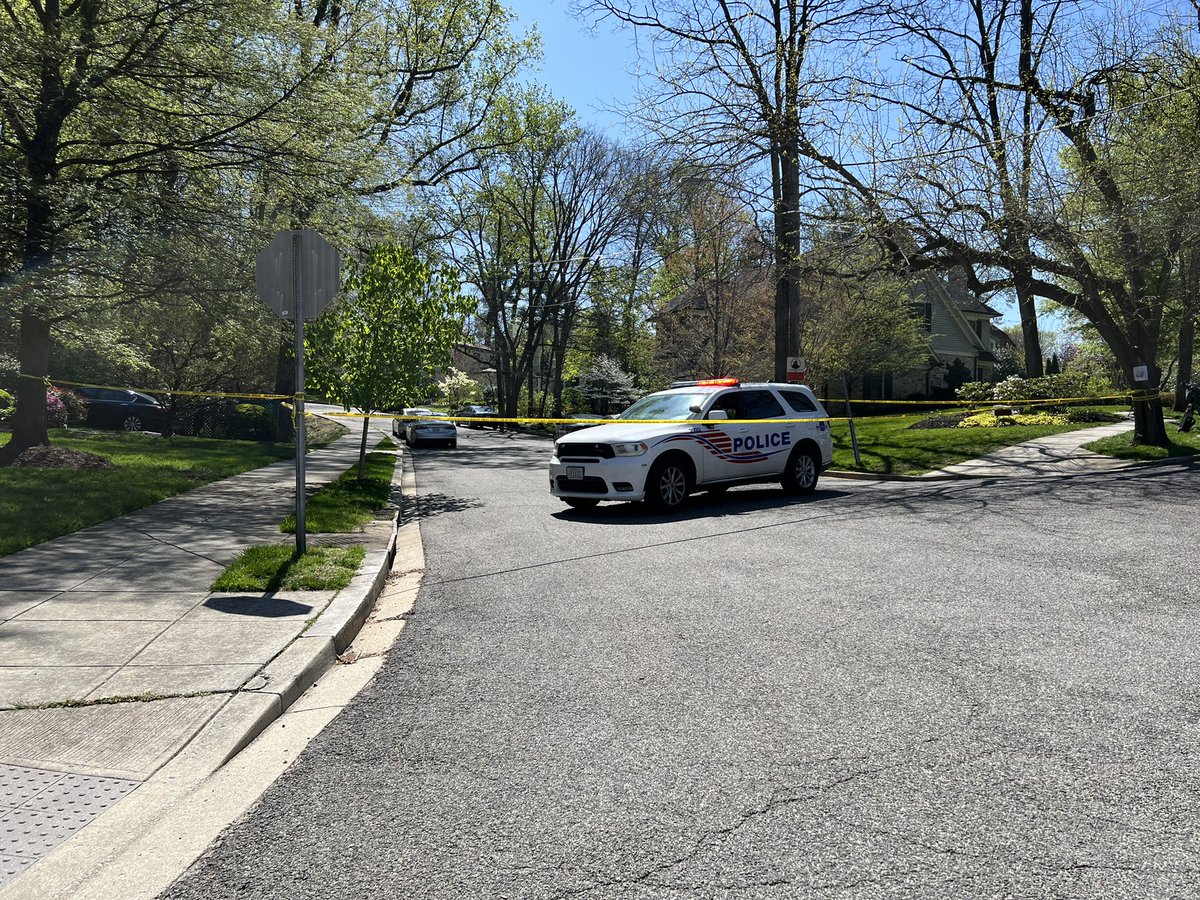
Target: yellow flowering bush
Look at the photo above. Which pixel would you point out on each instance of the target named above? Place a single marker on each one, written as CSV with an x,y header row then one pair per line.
x,y
991,420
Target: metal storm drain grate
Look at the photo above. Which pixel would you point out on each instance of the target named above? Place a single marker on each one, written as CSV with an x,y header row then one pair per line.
x,y
40,809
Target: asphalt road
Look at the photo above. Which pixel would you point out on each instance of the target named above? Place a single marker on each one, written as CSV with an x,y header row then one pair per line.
x,y
950,689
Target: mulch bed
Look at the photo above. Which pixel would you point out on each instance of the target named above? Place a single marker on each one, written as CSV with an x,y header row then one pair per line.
x,y
60,458
943,420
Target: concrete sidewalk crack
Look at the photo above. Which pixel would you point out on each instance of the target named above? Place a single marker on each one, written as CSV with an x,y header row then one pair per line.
x,y
110,701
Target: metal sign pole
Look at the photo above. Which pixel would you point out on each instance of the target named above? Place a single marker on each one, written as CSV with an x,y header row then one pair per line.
x,y
306,288
298,314
850,418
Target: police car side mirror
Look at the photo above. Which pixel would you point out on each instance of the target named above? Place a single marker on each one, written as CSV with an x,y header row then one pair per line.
x,y
716,414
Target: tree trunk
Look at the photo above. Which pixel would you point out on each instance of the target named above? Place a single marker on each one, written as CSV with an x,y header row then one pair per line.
x,y
1027,305
1187,344
1148,426
29,421
787,252
362,447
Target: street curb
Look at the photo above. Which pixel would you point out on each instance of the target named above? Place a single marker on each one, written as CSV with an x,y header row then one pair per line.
x,y
883,476
302,663
94,862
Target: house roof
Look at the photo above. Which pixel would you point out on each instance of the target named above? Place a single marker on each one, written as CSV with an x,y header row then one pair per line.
x,y
964,298
697,297
974,305
1001,338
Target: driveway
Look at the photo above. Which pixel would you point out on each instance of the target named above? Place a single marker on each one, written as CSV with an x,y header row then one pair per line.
x,y
949,689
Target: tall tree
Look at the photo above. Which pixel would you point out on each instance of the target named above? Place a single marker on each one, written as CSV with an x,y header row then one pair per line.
x,y
533,227
245,117
969,89
105,108
716,265
742,84
1073,63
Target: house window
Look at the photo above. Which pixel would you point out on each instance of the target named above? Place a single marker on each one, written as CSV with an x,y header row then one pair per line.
x,y
978,323
927,316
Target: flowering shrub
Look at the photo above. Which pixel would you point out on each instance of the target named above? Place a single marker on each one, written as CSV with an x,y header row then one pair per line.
x,y
75,404
7,404
1052,387
991,420
56,411
977,391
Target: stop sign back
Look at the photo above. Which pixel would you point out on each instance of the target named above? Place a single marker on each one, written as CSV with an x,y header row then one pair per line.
x,y
299,269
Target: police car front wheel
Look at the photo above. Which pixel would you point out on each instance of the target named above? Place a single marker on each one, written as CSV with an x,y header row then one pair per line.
x,y
668,484
800,477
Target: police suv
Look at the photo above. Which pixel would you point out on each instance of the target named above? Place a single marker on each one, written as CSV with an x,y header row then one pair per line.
x,y
698,436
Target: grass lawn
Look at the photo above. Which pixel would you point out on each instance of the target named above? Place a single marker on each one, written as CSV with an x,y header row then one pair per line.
x,y
345,505
1121,445
275,567
887,444
39,504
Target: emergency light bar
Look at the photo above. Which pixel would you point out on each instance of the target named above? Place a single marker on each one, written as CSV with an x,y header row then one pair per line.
x,y
708,382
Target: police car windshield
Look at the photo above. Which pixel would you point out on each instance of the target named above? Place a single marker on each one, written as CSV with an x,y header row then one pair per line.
x,y
664,406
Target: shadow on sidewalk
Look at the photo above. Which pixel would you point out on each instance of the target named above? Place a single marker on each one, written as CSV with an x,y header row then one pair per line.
x,y
255,605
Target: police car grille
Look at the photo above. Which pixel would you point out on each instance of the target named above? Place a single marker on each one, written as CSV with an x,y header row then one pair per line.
x,y
585,485
587,451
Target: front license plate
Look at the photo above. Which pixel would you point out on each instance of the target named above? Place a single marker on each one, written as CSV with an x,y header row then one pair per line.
x,y
574,473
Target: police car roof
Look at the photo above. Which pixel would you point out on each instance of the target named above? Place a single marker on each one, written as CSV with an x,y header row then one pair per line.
x,y
685,387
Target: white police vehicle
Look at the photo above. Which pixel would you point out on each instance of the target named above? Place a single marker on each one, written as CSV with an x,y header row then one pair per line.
x,y
731,437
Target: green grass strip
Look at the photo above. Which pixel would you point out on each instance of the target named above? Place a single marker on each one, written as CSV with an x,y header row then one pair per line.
x,y
275,567
347,504
888,445
1121,446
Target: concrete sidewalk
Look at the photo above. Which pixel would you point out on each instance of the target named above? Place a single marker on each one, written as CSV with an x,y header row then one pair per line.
x,y
1058,454
114,655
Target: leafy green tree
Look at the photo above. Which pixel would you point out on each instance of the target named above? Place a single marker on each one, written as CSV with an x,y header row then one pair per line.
x,y
107,109
132,134
858,314
382,345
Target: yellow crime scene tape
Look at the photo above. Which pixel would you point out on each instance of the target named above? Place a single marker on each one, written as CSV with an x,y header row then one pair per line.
x,y
965,405
224,395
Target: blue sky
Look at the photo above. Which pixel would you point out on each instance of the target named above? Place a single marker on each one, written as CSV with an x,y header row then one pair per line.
x,y
585,67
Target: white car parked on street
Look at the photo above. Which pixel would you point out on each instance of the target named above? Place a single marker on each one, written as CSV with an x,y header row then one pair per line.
x,y
418,427
734,434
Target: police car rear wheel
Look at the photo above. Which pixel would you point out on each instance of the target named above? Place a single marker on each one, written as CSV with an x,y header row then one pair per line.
x,y
802,471
667,485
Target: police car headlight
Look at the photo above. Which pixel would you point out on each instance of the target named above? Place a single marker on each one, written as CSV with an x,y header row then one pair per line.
x,y
636,448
